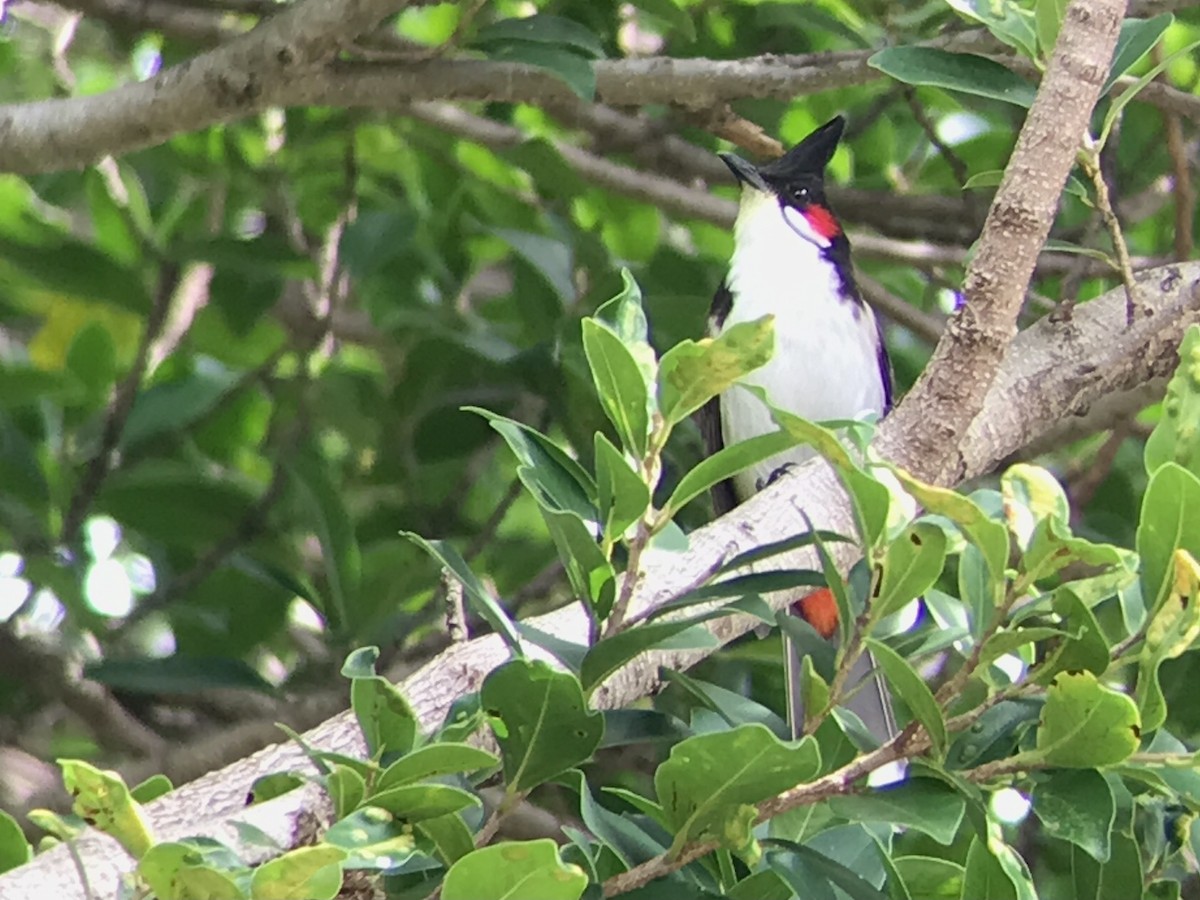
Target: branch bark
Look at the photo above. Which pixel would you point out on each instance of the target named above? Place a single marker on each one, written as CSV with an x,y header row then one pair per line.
x,y
941,406
1051,371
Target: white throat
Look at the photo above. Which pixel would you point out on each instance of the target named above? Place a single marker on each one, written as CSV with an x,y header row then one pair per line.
x,y
826,362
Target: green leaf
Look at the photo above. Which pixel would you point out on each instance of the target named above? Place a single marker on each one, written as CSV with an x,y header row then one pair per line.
x,y
102,799
554,31
734,708
557,481
930,878
1077,806
574,69
531,870
311,872
693,372
177,675
1085,724
435,760
1137,38
621,384
196,867
811,874
984,876
726,463
708,781
1176,437
641,726
175,502
962,72
482,600
417,802
912,689
609,654
1120,878
994,735
1114,110
92,358
373,839
1007,21
1031,494
869,497
921,803
387,720
984,532
625,316
1088,651
324,506
150,789
591,574
76,271
449,834
346,788
545,726
622,494
913,563
672,15
1170,520
14,848
1048,18
1172,630
276,784
1073,186
171,407
360,663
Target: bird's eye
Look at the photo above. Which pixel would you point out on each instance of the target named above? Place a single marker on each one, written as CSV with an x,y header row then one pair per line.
x,y
800,194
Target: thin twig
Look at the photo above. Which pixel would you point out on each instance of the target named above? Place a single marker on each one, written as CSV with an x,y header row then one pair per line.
x,y
1089,159
1181,173
119,409
456,613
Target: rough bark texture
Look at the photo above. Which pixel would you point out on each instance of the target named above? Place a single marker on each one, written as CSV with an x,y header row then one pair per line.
x,y
941,406
1051,371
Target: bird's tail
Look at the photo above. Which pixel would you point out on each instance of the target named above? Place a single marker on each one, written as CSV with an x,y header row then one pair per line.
x,y
867,694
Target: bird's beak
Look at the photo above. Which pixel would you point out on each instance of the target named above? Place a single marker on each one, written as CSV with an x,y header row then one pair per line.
x,y
746,173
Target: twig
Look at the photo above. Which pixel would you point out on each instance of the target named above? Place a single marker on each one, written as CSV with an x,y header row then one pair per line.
x,y
43,669
1083,486
249,525
119,408
456,613
836,783
898,310
937,412
1089,159
1185,195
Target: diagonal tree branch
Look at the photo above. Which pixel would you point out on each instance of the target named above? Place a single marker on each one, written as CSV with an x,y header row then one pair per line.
x,y
934,417
1052,370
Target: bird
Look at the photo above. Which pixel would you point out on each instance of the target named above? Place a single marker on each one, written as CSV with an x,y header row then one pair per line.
x,y
791,259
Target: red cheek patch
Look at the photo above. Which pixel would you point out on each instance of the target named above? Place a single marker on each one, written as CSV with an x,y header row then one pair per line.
x,y
822,222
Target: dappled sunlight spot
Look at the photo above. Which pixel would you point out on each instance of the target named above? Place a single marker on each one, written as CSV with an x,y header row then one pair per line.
x,y
1010,806
102,536
45,613
107,589
302,614
13,594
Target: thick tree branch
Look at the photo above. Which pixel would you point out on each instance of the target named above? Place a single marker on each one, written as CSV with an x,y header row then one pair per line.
x,y
941,406
1052,370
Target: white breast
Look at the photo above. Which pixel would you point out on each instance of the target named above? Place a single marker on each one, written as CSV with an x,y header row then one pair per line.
x,y
826,362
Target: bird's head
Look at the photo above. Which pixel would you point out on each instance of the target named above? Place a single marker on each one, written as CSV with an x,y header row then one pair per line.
x,y
792,187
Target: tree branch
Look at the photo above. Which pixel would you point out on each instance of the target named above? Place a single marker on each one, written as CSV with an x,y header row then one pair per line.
x,y
1052,370
950,393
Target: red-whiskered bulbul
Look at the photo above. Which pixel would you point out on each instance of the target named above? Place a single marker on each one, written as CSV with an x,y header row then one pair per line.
x,y
792,259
